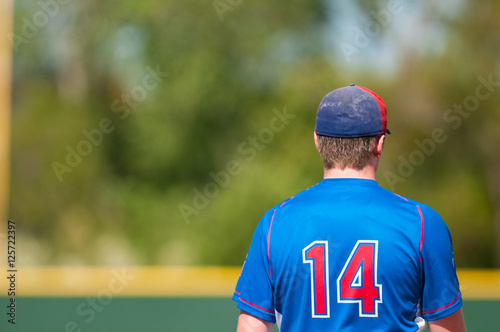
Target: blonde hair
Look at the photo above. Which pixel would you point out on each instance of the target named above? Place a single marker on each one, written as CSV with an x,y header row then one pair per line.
x,y
343,152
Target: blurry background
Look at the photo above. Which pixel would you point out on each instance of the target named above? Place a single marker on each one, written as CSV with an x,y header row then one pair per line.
x,y
150,133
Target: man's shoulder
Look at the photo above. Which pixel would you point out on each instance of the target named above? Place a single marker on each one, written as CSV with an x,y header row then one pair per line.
x,y
295,198
292,201
423,209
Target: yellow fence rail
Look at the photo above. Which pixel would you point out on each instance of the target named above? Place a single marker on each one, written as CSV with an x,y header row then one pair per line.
x,y
133,281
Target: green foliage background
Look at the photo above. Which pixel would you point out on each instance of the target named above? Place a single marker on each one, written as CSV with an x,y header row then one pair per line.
x,y
231,65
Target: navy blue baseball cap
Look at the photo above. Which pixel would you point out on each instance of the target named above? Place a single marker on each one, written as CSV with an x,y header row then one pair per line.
x,y
351,111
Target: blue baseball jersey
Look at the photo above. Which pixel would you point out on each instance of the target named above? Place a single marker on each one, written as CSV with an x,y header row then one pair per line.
x,y
348,255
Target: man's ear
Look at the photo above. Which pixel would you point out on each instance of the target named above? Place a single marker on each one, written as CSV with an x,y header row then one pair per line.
x,y
377,151
316,141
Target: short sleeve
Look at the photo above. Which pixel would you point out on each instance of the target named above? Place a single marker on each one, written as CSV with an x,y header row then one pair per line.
x,y
254,290
441,294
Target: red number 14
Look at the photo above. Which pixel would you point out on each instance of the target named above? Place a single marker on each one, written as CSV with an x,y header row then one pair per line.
x,y
357,283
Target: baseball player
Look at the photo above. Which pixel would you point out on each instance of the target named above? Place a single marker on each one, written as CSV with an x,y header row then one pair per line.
x,y
346,254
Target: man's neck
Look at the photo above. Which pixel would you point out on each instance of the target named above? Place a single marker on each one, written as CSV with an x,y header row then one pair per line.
x,y
337,173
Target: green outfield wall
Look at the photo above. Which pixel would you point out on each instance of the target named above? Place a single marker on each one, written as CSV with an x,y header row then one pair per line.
x,y
168,314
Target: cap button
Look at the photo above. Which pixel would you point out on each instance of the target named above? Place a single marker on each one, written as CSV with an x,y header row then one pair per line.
x,y
352,84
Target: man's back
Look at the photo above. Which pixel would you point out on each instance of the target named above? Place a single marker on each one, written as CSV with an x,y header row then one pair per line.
x,y
349,255
346,254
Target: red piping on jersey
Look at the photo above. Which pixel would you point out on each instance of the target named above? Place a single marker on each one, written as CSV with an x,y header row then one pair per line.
x,y
422,231
428,312
286,201
237,292
402,197
268,239
256,306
